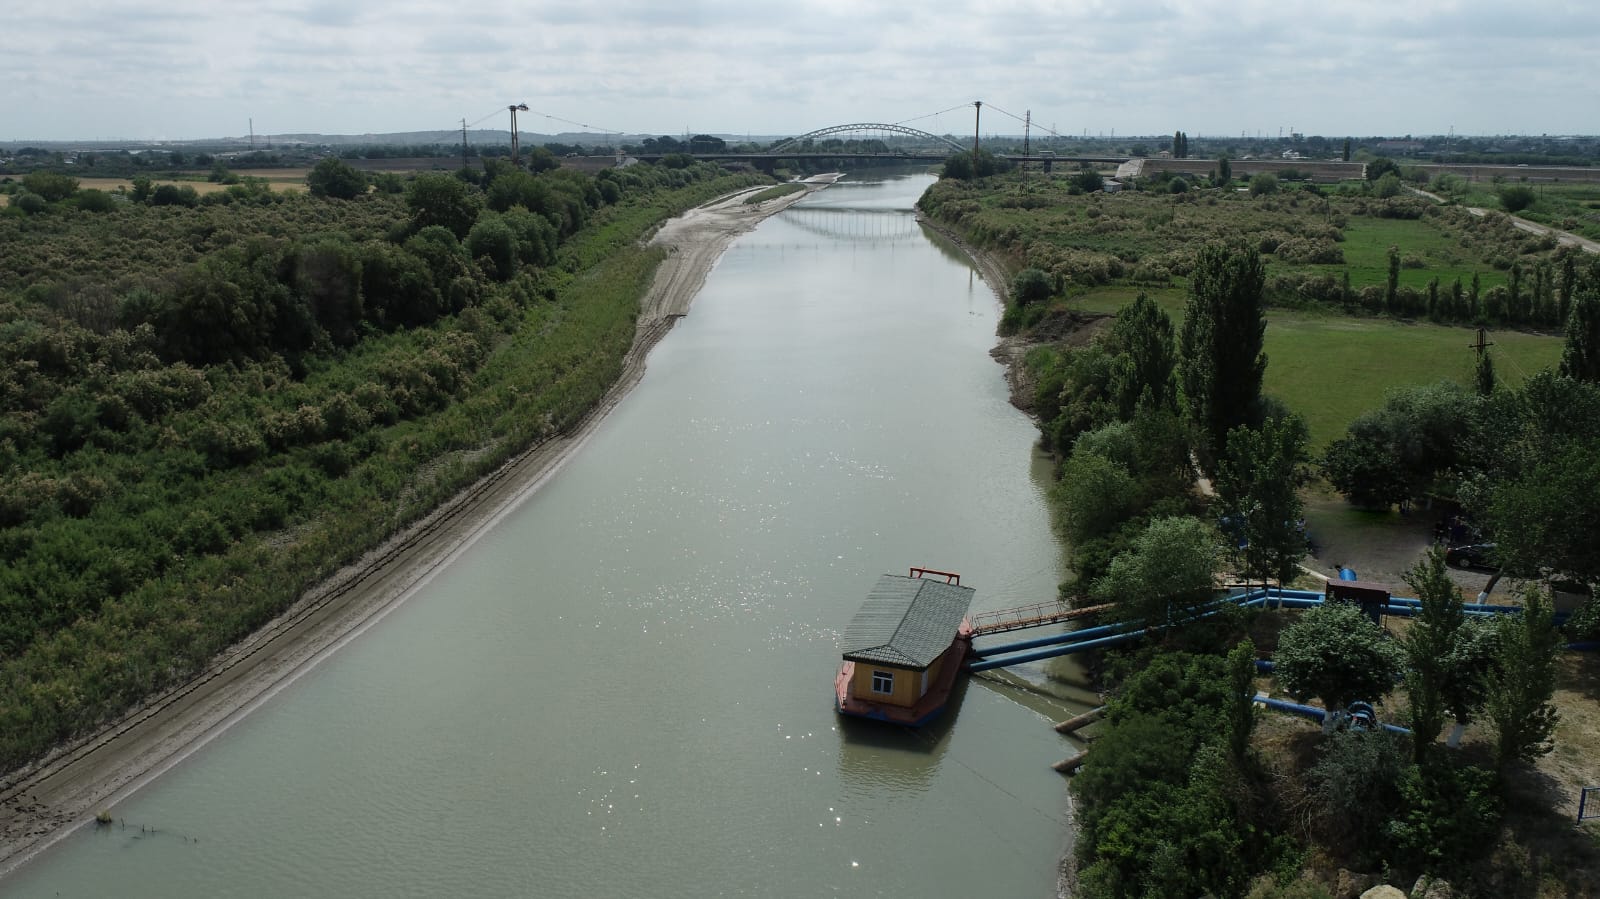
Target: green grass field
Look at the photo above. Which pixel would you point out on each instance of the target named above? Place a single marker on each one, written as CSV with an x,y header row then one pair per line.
x,y
1366,254
1331,368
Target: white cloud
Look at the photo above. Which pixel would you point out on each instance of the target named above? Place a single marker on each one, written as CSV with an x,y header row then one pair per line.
x,y
103,68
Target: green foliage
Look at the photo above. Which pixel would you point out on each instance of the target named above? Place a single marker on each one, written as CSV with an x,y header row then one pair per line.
x,y
1451,815
1087,180
1403,449
1580,357
96,201
1031,286
1161,807
1143,372
1430,645
1516,197
1094,495
52,186
967,166
1387,186
1224,171
1258,484
442,200
1166,575
30,203
333,177
1336,653
1523,681
1263,184
1353,789
493,244
1223,326
1381,166
174,400
1530,453
1241,701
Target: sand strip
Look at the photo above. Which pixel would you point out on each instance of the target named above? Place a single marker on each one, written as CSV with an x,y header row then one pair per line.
x,y
41,803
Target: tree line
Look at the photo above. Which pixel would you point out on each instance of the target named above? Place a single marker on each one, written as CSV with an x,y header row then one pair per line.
x,y
1176,799
207,409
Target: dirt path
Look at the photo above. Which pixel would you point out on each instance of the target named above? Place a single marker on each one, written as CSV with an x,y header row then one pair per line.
x,y
1565,237
42,803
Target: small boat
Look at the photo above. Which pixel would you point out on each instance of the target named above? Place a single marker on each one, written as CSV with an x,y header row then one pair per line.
x,y
904,649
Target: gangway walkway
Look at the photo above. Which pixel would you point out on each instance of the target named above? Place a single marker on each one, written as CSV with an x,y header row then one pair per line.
x,y
1023,617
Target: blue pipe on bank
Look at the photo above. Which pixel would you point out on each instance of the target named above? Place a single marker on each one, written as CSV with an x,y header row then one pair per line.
x,y
1112,635
1311,711
1051,652
1068,637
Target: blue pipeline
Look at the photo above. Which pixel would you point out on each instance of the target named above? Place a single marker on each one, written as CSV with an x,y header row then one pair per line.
x,y
1314,713
1051,652
1112,634
1051,640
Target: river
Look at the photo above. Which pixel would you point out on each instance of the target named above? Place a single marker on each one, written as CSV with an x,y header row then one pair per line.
x,y
624,687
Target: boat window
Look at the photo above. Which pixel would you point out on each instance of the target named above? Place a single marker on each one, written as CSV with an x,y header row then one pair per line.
x,y
882,682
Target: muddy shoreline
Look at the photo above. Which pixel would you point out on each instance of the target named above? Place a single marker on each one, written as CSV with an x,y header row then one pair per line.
x,y
45,801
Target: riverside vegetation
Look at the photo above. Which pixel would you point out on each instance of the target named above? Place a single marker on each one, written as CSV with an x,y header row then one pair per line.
x,y
211,403
1187,791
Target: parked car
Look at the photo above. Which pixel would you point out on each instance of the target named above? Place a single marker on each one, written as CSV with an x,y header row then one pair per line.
x,y
1471,555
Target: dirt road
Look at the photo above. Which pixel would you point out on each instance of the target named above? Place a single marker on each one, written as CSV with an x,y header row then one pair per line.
x,y
41,804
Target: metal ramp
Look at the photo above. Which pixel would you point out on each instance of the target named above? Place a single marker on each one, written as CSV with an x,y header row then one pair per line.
x,y
1024,617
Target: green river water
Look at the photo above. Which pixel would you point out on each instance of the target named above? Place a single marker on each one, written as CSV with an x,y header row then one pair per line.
x,y
624,688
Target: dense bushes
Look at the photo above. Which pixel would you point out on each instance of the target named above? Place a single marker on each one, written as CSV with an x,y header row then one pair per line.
x,y
275,389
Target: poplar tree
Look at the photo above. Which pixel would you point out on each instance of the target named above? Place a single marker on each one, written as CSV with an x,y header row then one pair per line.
x,y
1223,329
1483,375
1580,359
1523,681
1430,644
1142,374
1258,484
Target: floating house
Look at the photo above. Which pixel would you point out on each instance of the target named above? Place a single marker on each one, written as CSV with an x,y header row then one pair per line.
x,y
904,648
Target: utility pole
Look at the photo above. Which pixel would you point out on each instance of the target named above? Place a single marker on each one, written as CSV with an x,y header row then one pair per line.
x,y
463,143
1482,345
977,117
514,108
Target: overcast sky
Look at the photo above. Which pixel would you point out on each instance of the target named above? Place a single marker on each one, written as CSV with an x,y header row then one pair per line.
x,y
181,69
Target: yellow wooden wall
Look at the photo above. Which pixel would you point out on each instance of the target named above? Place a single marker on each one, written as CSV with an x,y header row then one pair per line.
x,y
907,683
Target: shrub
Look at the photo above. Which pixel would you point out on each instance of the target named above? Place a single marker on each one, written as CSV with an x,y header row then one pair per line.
x,y
1031,286
1516,197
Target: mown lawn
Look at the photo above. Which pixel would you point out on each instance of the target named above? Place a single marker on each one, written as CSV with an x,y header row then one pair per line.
x,y
1330,368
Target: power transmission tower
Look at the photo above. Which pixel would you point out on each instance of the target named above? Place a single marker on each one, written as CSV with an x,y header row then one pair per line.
x,y
977,118
463,143
514,108
1027,125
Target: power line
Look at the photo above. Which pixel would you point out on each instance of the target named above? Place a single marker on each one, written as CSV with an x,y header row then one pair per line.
x,y
932,114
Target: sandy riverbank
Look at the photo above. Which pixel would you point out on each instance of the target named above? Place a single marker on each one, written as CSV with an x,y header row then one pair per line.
x,y
43,802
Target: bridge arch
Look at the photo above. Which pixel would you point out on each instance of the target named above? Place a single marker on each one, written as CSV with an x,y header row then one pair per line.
x,y
866,126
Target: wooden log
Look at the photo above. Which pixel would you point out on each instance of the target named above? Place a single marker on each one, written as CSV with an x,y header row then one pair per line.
x,y
1069,765
1072,724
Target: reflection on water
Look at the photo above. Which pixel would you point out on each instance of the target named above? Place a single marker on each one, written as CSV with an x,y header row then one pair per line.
x,y
875,756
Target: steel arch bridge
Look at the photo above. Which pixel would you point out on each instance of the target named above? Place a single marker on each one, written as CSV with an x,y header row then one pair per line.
x,y
866,126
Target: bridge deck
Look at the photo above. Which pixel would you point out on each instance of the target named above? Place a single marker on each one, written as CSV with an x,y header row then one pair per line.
x,y
1023,617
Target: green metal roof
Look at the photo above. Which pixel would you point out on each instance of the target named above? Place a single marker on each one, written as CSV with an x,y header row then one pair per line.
x,y
906,621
